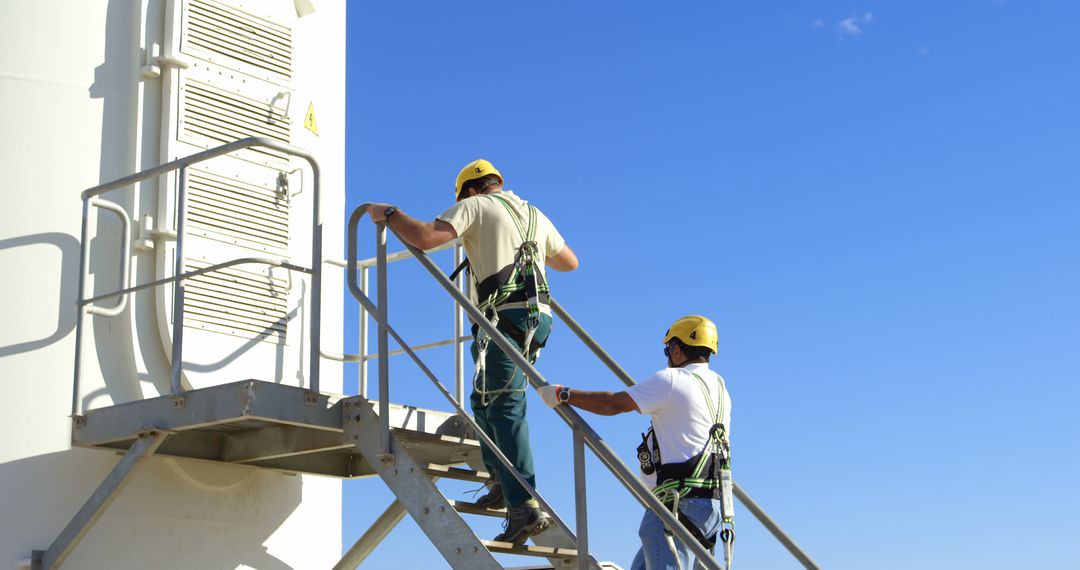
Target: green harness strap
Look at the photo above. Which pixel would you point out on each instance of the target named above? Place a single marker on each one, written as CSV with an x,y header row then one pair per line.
x,y
524,264
523,276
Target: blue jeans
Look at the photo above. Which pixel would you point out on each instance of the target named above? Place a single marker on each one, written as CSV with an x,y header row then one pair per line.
x,y
502,418
655,553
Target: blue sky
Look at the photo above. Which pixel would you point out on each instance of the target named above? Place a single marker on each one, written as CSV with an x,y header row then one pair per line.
x,y
876,201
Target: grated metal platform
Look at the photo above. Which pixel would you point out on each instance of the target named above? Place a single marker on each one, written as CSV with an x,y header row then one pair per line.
x,y
270,426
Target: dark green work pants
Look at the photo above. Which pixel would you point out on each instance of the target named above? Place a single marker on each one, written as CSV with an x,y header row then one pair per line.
x,y
503,418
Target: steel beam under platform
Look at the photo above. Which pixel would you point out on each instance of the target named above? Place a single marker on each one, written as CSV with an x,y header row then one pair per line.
x,y
271,426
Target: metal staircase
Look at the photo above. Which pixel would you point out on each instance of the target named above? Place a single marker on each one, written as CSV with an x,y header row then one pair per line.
x,y
413,483
293,429
583,434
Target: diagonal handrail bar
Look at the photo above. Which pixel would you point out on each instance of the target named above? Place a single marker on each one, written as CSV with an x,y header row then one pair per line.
x,y
468,419
273,262
608,457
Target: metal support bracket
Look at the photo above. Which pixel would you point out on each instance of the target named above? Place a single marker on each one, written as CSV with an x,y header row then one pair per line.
x,y
100,500
179,402
372,537
174,60
418,494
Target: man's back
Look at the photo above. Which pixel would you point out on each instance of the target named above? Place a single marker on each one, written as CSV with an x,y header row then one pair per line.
x,y
492,238
681,413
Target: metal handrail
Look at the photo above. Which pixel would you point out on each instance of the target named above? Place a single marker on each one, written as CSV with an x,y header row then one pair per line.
x,y
85,305
581,429
125,255
273,262
403,254
386,329
363,357
367,357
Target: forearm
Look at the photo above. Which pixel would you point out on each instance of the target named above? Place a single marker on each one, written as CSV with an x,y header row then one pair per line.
x,y
413,231
565,260
423,235
602,403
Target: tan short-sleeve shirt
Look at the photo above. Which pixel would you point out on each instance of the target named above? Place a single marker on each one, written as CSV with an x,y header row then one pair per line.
x,y
491,238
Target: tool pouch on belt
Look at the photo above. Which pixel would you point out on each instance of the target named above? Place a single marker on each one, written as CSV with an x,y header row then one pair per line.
x,y
648,453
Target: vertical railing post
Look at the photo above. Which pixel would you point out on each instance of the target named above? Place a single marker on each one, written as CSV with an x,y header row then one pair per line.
x,y
315,337
84,276
178,289
363,351
384,360
459,348
580,501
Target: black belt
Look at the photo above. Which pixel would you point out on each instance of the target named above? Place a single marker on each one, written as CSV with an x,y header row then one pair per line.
x,y
695,493
491,285
514,332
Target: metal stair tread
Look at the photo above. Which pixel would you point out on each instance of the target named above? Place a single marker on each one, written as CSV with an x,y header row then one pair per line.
x,y
425,437
459,473
526,550
472,509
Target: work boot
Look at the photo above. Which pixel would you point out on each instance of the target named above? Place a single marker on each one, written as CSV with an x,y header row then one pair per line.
x,y
493,499
522,522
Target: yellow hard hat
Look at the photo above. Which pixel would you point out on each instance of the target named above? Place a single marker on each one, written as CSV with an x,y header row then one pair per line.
x,y
472,171
693,330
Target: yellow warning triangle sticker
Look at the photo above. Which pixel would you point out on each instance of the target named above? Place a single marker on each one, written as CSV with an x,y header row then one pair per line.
x,y
309,119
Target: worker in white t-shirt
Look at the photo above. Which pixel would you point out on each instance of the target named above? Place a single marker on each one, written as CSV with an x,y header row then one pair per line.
x,y
687,447
496,226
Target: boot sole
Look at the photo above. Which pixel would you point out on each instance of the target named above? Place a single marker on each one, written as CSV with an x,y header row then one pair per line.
x,y
519,538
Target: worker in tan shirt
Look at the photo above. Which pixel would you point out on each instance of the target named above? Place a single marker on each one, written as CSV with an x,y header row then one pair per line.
x,y
499,230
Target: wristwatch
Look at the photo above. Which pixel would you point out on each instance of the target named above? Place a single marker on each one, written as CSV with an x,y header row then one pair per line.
x,y
564,395
389,211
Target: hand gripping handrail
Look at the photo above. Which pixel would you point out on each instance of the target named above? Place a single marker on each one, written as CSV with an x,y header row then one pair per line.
x,y
615,465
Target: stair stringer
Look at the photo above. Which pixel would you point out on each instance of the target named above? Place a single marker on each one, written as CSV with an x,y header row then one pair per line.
x,y
424,502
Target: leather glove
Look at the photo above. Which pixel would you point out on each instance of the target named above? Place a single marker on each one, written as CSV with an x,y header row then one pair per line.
x,y
550,394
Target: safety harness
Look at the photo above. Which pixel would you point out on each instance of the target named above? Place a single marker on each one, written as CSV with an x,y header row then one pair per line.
x,y
521,282
705,475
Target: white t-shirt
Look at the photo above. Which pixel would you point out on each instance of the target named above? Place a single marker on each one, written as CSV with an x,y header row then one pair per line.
x,y
491,239
680,413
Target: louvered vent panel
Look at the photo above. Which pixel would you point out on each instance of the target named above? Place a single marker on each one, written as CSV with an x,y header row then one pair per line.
x,y
222,116
247,40
236,302
236,212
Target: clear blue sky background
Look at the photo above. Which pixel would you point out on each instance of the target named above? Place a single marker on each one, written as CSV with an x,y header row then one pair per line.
x,y
876,201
